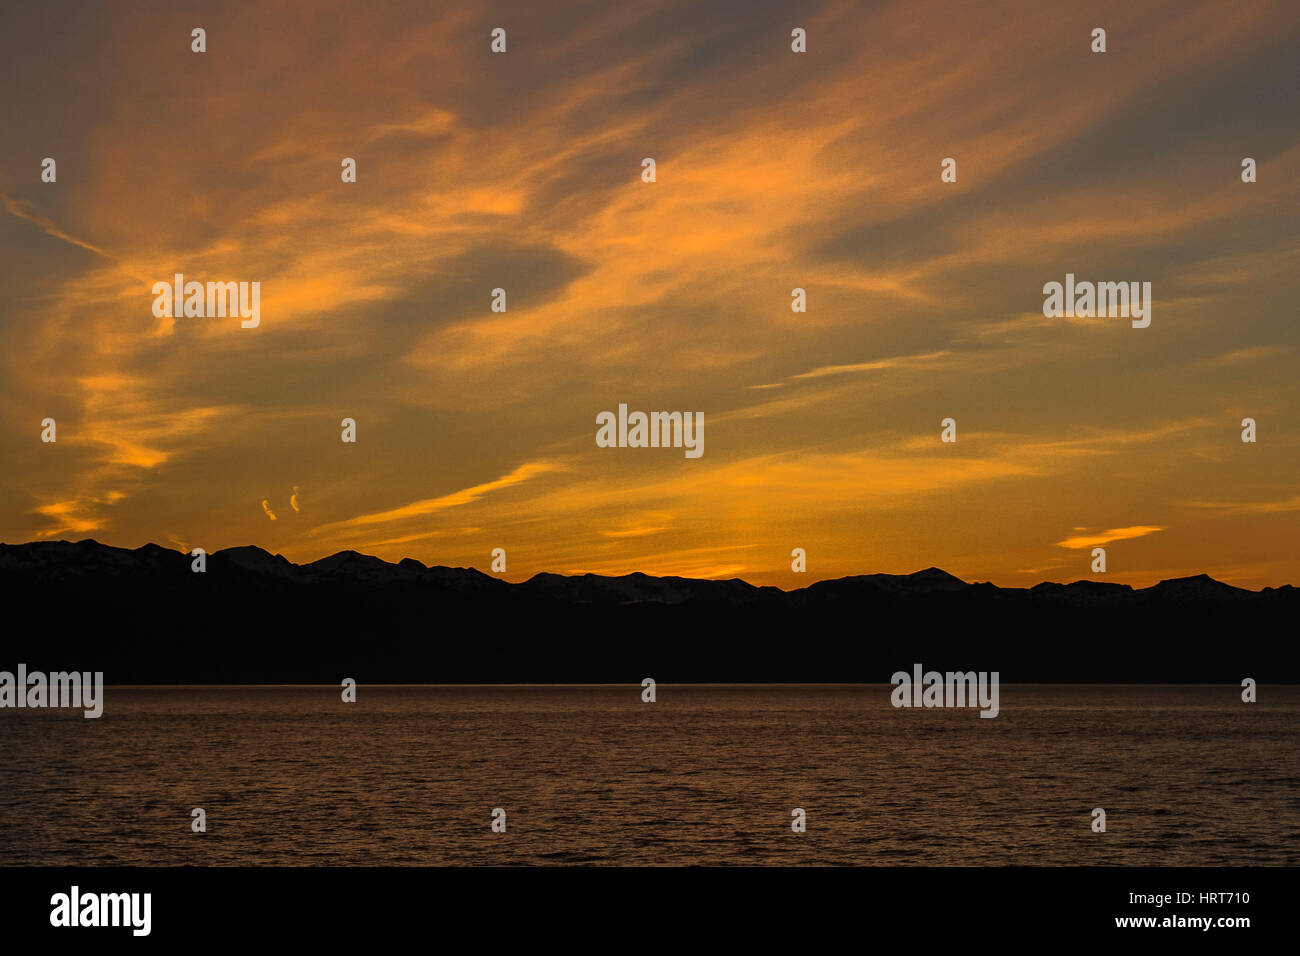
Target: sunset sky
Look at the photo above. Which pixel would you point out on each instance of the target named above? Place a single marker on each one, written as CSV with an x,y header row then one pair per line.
x,y
775,170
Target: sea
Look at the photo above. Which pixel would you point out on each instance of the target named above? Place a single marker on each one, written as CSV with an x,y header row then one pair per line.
x,y
291,775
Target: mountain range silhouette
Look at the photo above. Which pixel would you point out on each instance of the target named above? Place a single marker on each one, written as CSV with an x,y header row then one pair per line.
x,y
144,616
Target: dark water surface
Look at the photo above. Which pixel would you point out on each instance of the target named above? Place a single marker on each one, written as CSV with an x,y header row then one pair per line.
x,y
1188,775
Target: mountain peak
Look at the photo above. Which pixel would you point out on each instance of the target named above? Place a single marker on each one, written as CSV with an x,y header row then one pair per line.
x,y
935,576
1196,585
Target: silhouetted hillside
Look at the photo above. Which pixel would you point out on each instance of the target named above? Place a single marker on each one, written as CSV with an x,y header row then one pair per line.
x,y
144,616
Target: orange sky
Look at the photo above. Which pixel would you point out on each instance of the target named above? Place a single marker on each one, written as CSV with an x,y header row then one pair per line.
x,y
775,170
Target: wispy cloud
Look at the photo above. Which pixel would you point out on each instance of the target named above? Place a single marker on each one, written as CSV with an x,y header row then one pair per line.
x,y
428,506
1106,537
894,362
20,209
1280,506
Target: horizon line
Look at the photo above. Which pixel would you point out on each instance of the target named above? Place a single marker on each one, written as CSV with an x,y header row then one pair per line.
x,y
866,574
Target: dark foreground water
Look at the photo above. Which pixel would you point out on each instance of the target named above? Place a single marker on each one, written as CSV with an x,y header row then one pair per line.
x,y
706,775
